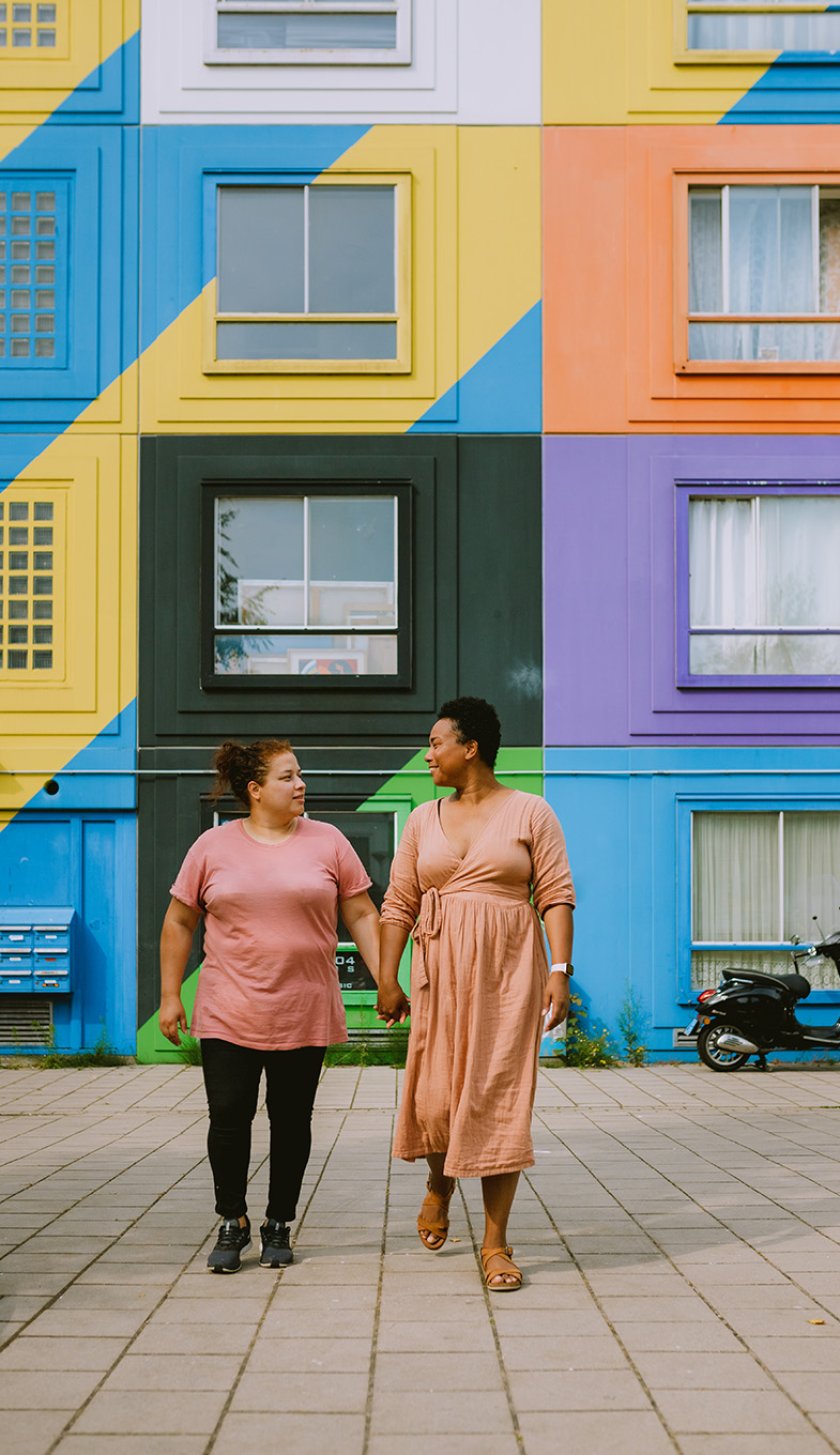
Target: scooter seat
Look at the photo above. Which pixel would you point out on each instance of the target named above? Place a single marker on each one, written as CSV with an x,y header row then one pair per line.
x,y
796,985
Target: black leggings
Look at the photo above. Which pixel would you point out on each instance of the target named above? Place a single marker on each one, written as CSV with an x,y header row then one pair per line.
x,y
232,1082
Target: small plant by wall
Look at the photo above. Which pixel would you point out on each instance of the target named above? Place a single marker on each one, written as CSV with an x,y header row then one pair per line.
x,y
633,1025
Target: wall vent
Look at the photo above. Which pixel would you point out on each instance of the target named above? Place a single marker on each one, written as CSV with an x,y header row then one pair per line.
x,y
25,1020
681,1040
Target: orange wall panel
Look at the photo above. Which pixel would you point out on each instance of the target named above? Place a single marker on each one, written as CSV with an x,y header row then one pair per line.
x,y
616,270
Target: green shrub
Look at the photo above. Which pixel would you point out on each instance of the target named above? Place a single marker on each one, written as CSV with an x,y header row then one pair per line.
x,y
583,1046
633,1023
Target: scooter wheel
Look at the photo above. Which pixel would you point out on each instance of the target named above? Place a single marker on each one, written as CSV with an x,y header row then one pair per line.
x,y
713,1055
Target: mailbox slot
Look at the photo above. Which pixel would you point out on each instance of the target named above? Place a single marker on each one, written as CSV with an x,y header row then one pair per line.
x,y
36,949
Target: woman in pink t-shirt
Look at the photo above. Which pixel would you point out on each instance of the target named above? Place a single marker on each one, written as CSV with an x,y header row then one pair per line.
x,y
269,887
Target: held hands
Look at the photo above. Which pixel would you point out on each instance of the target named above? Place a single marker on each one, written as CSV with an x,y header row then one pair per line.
x,y
172,1018
556,1000
392,1004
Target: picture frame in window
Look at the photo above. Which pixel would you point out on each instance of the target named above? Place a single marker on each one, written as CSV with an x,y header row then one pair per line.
x,y
687,13
686,492
387,44
399,318
683,318
296,678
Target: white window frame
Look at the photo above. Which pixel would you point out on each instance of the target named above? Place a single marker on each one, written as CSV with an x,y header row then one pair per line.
x,y
398,55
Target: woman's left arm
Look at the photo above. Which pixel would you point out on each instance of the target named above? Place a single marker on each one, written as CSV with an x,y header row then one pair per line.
x,y
559,927
362,920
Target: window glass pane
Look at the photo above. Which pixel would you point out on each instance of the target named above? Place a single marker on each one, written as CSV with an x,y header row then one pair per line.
x,y
261,250
328,655
765,342
307,31
721,562
259,561
705,254
758,32
796,534
352,565
765,656
830,248
735,877
351,250
306,341
707,966
770,250
812,873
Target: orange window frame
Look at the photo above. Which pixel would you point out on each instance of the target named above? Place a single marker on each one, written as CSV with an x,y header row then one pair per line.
x,y
683,365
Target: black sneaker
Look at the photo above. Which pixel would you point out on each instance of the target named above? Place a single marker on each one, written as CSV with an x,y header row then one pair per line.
x,y
276,1252
231,1242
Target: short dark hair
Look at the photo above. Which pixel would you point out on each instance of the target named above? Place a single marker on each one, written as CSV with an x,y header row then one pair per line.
x,y
476,721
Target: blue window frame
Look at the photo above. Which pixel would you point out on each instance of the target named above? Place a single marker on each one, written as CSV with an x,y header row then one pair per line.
x,y
34,234
755,608
752,873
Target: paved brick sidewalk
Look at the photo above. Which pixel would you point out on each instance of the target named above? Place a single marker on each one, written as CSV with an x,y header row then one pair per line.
x,y
680,1235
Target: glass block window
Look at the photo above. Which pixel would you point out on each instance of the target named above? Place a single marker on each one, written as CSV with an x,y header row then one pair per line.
x,y
764,273
31,584
315,32
763,599
306,585
308,274
30,27
803,26
33,271
758,878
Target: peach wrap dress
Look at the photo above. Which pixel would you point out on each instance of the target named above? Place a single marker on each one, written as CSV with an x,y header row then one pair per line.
x,y
478,975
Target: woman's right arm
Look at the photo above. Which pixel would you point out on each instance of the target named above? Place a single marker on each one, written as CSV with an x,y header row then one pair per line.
x,y
399,913
175,944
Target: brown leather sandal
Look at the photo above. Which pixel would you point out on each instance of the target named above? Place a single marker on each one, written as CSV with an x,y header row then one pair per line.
x,y
509,1268
433,1217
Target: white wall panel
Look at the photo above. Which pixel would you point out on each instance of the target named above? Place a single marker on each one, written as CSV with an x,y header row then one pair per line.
x,y
472,62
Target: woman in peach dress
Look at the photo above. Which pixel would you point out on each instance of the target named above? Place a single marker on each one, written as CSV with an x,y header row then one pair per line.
x,y
481,991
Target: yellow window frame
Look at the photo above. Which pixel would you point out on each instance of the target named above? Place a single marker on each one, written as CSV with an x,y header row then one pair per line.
x,y
400,364
32,495
685,56
33,52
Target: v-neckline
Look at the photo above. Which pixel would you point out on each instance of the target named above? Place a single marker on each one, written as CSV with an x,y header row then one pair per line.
x,y
462,858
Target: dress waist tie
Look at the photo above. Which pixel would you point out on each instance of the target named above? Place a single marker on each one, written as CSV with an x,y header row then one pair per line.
x,y
427,928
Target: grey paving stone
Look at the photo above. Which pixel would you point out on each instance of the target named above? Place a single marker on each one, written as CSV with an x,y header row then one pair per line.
x,y
460,1444
132,1445
126,1411
326,1355
302,1393
255,1434
579,1389
472,1412
175,1372
32,1432
35,1390
804,1444
595,1433
725,1411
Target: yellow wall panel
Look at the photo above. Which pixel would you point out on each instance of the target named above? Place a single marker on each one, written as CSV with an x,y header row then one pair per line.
x,y
36,81
43,724
475,273
621,61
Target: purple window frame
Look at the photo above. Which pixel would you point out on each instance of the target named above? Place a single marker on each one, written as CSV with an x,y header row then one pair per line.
x,y
687,490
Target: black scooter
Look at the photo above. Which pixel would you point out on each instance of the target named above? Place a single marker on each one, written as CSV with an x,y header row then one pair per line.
x,y
752,1012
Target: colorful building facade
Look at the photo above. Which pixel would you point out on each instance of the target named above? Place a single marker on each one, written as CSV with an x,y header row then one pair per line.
x,y
355,358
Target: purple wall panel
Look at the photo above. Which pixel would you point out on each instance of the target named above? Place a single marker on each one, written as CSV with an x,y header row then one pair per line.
x,y
610,608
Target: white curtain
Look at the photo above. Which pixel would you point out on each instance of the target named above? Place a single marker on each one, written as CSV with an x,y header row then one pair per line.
x,y
721,562
735,872
812,873
798,538
756,32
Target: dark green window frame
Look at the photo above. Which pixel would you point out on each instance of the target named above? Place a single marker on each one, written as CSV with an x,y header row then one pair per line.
x,y
216,681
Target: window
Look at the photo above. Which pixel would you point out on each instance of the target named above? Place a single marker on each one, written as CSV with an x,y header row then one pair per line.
x,y
30,28
313,277
31,533
311,32
781,25
306,584
764,273
33,271
757,880
764,600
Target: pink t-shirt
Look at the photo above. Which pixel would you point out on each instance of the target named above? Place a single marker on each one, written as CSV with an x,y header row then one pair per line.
x,y
270,932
